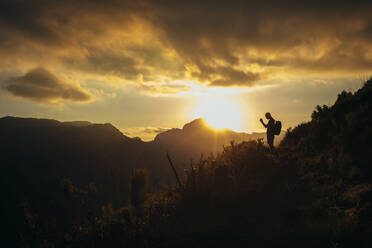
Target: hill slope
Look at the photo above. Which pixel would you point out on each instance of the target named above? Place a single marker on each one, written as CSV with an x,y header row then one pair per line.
x,y
314,191
38,154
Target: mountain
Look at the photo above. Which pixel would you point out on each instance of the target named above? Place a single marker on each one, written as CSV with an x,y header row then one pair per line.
x,y
198,137
315,190
51,149
38,154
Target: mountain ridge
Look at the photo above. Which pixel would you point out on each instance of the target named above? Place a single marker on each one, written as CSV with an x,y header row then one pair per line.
x,y
192,126
195,138
198,137
313,191
38,153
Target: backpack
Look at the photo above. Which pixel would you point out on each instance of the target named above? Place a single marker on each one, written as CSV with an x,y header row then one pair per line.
x,y
278,127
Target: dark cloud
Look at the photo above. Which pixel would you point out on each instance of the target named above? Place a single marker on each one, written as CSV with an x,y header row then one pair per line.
x,y
42,86
231,77
216,43
311,35
52,22
105,62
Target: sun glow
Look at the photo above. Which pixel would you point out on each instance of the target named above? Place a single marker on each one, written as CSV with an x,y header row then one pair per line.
x,y
220,112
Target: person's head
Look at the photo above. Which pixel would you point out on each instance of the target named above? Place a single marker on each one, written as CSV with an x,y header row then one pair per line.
x,y
268,115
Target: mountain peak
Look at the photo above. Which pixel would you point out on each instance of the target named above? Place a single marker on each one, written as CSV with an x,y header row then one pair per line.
x,y
199,123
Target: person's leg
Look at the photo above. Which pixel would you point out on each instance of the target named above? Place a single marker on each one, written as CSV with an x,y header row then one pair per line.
x,y
270,141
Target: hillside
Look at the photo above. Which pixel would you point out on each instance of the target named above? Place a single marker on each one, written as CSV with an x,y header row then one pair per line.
x,y
39,154
314,191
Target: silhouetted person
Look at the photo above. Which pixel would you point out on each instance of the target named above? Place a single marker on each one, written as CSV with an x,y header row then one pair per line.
x,y
270,132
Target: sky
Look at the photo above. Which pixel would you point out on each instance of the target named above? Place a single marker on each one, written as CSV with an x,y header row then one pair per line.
x,y
149,65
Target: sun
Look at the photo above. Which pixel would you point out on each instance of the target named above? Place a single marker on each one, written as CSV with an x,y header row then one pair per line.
x,y
220,112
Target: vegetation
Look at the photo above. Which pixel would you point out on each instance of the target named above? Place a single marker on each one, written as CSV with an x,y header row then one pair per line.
x,y
315,190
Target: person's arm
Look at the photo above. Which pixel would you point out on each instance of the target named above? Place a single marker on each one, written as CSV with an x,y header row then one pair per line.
x,y
263,123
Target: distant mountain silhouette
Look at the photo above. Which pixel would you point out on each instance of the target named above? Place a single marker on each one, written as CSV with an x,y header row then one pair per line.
x,y
37,154
315,190
198,137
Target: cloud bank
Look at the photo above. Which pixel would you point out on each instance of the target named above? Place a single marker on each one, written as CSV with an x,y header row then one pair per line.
x,y
42,86
153,43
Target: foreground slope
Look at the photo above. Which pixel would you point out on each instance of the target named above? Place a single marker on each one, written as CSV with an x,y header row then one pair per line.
x,y
314,191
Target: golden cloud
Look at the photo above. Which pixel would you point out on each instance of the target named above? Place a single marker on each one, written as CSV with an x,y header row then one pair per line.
x,y
42,86
214,43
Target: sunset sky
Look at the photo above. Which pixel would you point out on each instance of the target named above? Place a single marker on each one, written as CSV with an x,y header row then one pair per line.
x,y
146,65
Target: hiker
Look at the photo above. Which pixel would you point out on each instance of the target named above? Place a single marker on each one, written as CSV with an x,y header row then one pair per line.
x,y
273,128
